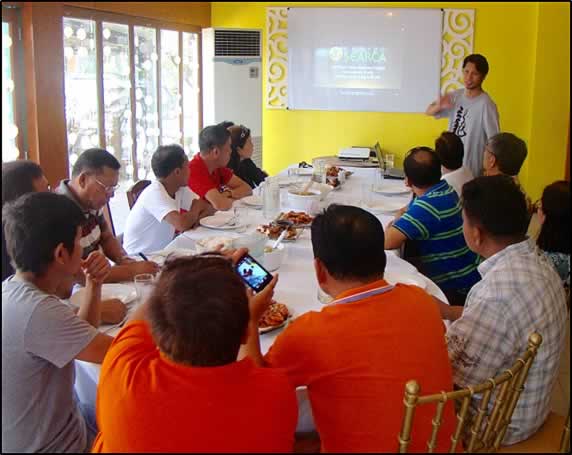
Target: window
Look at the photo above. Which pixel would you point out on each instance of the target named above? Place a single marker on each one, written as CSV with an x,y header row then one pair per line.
x,y
129,104
130,86
11,132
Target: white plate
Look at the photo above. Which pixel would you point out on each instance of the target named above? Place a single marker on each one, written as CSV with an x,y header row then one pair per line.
x,y
391,188
305,171
160,256
123,292
385,205
394,277
219,221
253,201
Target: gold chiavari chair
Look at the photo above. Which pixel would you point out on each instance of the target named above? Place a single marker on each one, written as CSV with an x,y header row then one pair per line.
x,y
506,389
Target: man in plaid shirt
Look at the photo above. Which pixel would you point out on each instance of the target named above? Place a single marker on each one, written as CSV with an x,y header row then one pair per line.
x,y
520,293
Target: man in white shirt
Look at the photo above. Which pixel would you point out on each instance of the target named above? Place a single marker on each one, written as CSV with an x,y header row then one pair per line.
x,y
450,150
156,215
473,115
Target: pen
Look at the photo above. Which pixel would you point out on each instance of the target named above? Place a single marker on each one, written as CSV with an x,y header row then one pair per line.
x,y
143,256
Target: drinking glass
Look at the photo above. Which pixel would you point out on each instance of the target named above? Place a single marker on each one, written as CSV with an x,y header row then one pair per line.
x,y
366,194
143,285
324,298
389,160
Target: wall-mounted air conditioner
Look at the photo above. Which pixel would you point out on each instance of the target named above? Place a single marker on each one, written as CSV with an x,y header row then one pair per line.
x,y
232,80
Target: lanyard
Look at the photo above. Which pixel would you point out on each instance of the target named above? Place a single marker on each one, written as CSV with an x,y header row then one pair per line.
x,y
364,295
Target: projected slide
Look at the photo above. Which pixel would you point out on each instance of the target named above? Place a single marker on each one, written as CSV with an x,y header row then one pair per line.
x,y
364,59
358,67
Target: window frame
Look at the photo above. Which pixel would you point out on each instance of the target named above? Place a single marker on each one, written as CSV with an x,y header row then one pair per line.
x,y
12,16
132,21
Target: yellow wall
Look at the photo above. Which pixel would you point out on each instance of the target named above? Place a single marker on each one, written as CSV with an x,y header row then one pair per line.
x,y
512,36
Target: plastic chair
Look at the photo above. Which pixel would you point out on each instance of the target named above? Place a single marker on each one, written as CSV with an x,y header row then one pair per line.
x,y
135,191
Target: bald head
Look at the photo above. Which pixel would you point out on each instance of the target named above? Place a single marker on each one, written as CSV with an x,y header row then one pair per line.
x,y
422,167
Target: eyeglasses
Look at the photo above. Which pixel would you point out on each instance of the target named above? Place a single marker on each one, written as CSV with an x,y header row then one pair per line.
x,y
108,189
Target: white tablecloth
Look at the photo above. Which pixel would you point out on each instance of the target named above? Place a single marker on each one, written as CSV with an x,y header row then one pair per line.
x,y
297,286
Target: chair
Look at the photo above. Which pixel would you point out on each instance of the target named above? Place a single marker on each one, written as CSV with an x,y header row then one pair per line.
x,y
546,439
507,387
135,191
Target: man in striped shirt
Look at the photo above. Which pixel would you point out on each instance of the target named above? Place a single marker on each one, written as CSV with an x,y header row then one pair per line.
x,y
433,226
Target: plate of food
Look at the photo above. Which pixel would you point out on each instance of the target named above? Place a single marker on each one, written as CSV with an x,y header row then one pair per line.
x,y
161,256
285,181
221,220
275,316
207,244
273,231
298,219
253,201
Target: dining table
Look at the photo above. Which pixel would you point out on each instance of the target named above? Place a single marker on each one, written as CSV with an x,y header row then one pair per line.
x,y
297,287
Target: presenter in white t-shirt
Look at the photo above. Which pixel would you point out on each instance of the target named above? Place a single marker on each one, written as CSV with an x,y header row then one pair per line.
x,y
473,115
449,148
156,215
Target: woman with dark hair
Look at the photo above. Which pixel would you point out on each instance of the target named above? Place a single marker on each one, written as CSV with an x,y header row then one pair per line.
x,y
240,159
19,178
554,216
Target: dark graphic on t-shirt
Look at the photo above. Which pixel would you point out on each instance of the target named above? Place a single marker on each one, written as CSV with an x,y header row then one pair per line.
x,y
460,122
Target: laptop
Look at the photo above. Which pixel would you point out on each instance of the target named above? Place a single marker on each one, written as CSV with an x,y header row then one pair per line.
x,y
392,173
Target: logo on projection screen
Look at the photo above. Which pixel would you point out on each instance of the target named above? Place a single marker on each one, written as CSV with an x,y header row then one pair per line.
x,y
357,68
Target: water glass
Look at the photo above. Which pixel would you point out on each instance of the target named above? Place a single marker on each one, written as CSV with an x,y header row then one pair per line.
x,y
389,160
366,194
324,298
144,285
378,179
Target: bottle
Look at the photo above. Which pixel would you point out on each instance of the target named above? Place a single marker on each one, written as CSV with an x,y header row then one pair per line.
x,y
271,198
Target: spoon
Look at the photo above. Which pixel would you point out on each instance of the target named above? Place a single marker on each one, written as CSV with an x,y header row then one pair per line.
x,y
279,239
307,187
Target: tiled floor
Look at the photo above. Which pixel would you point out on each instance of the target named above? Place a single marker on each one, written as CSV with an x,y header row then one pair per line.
x,y
561,392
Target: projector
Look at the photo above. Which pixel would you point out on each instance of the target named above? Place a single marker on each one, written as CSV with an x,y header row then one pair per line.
x,y
354,153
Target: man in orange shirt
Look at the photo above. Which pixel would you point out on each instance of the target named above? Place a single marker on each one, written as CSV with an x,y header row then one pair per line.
x,y
356,355
170,381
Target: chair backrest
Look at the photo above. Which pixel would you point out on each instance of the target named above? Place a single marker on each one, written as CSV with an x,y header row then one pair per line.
x,y
135,190
506,387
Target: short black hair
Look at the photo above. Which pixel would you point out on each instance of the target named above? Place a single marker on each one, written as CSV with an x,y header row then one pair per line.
x,y
226,124
498,205
18,179
554,235
349,241
199,310
479,61
35,224
213,136
450,150
422,167
166,159
94,160
510,152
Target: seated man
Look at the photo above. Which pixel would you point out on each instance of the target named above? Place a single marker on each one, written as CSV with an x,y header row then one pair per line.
x,y
171,381
504,155
41,335
152,222
209,177
432,225
356,354
94,179
520,293
449,149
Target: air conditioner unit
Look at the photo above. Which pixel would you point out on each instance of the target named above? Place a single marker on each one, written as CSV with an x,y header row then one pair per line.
x,y
232,80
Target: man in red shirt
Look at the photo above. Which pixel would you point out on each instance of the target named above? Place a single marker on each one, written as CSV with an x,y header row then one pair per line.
x,y
209,177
